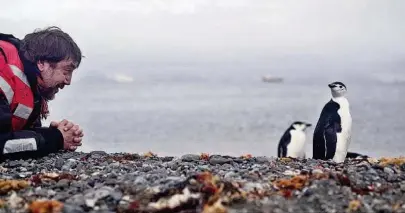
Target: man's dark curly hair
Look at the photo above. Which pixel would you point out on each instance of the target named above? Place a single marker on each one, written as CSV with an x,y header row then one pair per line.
x,y
51,45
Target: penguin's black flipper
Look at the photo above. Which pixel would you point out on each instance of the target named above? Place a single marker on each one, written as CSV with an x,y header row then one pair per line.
x,y
282,145
318,143
280,151
331,129
331,140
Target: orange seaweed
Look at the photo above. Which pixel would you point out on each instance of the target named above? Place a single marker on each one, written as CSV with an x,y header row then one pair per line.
x,y
45,206
9,185
246,156
204,156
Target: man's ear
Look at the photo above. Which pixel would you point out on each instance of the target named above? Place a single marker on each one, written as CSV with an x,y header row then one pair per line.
x,y
41,65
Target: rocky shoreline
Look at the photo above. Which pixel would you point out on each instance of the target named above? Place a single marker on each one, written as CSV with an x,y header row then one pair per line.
x,y
120,182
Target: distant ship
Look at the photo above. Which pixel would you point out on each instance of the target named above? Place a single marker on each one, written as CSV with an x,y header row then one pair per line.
x,y
272,79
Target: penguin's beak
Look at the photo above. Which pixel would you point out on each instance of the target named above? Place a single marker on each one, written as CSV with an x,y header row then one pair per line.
x,y
308,125
331,85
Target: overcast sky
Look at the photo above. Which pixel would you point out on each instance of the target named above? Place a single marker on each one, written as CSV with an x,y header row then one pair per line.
x,y
215,30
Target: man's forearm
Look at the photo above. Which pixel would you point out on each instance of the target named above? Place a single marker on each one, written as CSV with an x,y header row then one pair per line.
x,y
31,143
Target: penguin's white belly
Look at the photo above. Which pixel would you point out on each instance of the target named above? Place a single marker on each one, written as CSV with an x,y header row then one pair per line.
x,y
344,137
296,147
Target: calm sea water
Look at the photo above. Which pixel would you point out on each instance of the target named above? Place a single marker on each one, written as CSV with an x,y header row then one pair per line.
x,y
192,111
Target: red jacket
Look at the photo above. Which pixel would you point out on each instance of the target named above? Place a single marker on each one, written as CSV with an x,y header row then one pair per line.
x,y
21,134
12,78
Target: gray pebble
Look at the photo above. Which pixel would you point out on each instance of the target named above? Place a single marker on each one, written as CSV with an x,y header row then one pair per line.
x,y
219,160
115,164
69,164
13,164
262,159
77,200
93,196
68,208
63,183
190,158
388,170
59,163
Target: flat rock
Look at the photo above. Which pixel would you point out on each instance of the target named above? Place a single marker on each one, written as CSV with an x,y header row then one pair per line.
x,y
219,160
190,158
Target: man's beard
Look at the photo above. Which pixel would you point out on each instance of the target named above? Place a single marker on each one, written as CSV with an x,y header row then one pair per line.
x,y
48,93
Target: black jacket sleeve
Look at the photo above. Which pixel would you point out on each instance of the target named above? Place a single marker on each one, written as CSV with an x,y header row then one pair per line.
x,y
28,143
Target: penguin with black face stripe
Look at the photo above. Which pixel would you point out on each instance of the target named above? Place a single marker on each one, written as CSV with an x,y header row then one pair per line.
x,y
332,134
292,143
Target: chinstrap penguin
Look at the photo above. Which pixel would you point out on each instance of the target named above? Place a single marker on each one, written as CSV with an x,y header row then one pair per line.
x,y
292,143
332,134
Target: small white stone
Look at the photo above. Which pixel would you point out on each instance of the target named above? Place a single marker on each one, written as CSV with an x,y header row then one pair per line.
x,y
317,171
290,173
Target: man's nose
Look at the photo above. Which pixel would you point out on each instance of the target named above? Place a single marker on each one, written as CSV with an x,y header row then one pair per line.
x,y
68,80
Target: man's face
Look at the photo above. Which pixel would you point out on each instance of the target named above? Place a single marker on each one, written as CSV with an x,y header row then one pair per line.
x,y
55,77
